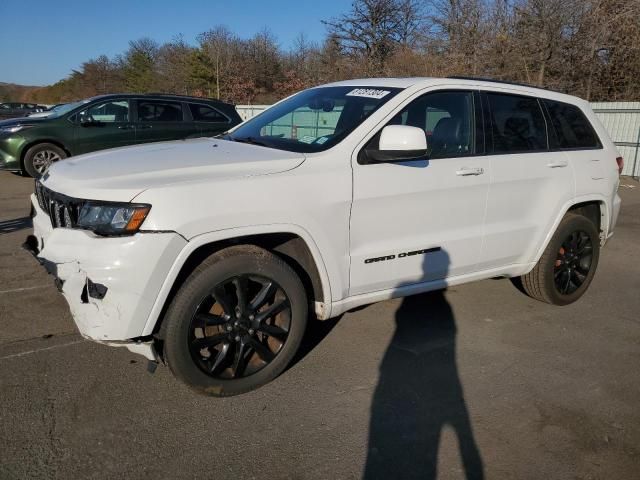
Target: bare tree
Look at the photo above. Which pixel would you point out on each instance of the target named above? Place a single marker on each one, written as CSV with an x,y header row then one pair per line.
x,y
585,47
374,28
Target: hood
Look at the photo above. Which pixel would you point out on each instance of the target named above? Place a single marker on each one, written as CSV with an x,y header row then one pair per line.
x,y
40,114
122,173
22,120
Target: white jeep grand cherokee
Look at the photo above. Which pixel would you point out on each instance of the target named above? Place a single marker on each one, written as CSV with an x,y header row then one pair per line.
x,y
209,254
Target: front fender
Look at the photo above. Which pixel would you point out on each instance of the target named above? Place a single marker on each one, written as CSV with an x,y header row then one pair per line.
x,y
323,311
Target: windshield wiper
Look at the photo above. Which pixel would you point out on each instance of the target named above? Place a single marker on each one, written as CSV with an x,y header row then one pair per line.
x,y
250,140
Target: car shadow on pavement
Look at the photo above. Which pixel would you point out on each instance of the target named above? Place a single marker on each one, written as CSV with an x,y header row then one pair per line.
x,y
419,394
316,331
9,226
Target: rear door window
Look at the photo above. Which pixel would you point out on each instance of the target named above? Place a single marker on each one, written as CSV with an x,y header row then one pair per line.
x,y
159,111
205,113
572,129
517,124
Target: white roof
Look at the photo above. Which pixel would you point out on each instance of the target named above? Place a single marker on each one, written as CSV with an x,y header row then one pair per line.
x,y
435,81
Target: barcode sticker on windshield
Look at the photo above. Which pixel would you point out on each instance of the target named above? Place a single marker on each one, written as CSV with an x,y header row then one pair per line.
x,y
368,93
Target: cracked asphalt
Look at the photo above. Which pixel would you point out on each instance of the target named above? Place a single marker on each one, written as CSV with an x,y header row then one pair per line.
x,y
478,381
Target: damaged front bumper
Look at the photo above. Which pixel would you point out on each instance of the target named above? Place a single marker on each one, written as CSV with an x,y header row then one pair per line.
x,y
110,283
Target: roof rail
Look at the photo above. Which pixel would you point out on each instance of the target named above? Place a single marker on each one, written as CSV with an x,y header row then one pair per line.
x,y
167,94
480,79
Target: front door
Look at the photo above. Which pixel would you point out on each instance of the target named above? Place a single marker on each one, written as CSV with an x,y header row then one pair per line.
x,y
422,220
104,125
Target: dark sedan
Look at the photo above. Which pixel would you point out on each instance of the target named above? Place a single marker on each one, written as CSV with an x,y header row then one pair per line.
x,y
18,109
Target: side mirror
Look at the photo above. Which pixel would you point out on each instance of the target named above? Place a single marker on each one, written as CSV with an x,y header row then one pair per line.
x,y
87,121
399,143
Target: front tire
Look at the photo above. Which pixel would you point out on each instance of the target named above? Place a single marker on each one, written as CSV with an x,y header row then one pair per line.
x,y
236,322
568,264
40,157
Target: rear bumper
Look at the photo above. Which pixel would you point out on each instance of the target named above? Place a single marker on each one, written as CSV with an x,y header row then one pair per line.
x,y
110,283
615,212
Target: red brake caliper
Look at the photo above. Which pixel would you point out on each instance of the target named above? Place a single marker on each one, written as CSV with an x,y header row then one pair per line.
x,y
558,261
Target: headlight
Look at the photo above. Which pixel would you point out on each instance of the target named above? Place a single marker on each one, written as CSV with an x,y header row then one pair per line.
x,y
14,128
105,218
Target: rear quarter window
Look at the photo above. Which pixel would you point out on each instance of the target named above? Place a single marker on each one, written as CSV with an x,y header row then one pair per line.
x,y
206,113
571,126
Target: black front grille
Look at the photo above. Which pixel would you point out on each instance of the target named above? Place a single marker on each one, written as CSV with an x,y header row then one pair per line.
x,y
63,211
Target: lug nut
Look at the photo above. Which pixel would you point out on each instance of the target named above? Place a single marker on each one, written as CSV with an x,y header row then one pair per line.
x,y
229,328
252,317
237,338
251,331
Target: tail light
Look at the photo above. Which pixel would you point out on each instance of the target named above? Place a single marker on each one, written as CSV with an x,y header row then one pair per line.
x,y
620,162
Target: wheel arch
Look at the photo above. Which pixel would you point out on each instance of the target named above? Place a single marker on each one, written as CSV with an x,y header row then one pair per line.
x,y
594,207
293,245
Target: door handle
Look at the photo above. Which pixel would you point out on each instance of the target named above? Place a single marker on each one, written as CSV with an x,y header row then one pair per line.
x,y
145,127
464,172
558,164
125,127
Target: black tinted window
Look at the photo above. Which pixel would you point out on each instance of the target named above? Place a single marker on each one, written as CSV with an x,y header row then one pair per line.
x,y
159,111
204,113
517,124
572,128
447,120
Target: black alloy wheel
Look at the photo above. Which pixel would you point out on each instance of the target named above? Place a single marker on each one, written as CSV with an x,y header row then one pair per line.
x,y
573,262
240,327
236,322
568,264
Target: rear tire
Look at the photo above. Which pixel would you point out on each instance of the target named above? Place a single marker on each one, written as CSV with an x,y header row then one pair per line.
x,y
221,335
40,157
568,264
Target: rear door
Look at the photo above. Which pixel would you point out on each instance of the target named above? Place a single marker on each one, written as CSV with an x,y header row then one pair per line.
x,y
102,125
161,120
208,120
530,182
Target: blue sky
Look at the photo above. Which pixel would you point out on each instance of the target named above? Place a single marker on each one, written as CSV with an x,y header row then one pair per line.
x,y
41,41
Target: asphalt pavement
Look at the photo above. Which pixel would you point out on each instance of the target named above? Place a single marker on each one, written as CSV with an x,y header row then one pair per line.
x,y
476,381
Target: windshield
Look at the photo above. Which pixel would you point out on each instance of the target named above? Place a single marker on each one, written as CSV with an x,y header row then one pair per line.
x,y
313,120
67,107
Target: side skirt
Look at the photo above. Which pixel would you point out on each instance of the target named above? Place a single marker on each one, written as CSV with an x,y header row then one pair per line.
x,y
349,303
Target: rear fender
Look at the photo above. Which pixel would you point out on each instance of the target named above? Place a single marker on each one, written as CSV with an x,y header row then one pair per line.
x,y
604,219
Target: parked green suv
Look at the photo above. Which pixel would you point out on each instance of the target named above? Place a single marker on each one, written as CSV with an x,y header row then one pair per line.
x,y
31,145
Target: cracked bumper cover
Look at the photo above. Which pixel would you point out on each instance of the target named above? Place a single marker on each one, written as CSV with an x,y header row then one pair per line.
x,y
128,270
